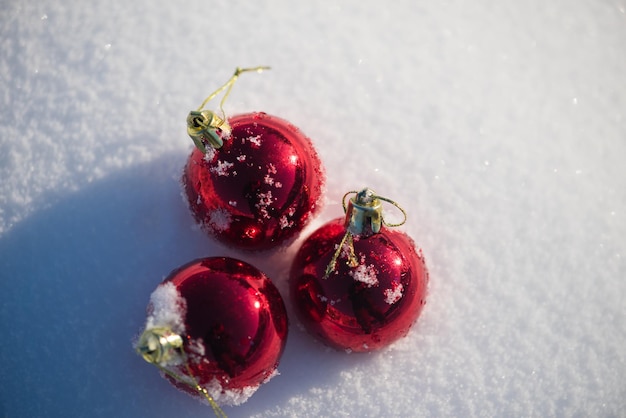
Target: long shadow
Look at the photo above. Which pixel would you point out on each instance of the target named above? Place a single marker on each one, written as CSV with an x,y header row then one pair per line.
x,y
75,280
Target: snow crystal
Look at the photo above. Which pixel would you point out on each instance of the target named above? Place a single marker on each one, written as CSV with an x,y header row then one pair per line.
x,y
347,250
269,179
265,200
222,167
197,347
241,158
394,294
209,154
284,222
272,375
365,274
232,202
254,140
331,302
167,309
220,219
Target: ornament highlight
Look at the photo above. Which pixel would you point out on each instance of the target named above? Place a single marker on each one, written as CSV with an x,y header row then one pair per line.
x,y
355,283
254,180
216,328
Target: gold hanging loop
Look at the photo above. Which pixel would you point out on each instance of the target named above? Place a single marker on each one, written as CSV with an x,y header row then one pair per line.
x,y
206,128
400,208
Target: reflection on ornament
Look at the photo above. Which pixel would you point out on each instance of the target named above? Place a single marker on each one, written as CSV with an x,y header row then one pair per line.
x,y
216,328
356,284
254,180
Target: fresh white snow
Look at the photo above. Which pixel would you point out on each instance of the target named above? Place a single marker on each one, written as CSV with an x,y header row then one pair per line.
x,y
167,309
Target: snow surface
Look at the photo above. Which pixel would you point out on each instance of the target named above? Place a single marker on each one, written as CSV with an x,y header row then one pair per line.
x,y
499,126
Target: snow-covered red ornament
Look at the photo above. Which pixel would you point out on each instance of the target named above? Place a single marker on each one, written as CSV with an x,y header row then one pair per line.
x,y
356,284
216,328
254,180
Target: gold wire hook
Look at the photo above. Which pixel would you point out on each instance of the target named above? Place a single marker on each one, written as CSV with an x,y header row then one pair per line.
x,y
219,412
352,261
398,207
229,84
343,199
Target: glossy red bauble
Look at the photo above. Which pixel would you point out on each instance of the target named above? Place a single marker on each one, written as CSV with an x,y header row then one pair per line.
x,y
260,188
233,326
359,308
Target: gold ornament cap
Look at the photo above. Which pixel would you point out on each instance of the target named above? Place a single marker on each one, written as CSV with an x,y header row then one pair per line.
x,y
364,218
160,346
206,128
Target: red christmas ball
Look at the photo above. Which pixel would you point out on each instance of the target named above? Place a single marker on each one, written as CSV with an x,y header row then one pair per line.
x,y
361,294
218,323
260,188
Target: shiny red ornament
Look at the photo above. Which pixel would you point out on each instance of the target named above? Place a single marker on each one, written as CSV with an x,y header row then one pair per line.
x,y
356,284
260,188
254,180
217,325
